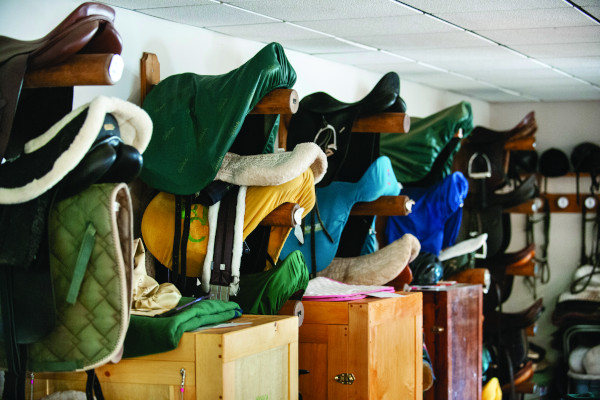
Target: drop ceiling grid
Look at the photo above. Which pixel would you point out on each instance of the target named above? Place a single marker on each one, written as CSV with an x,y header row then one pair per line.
x,y
323,10
550,31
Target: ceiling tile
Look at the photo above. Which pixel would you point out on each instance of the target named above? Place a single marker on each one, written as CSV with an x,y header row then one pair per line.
x,y
207,15
564,49
309,10
143,4
565,63
363,58
518,19
437,6
493,95
588,74
576,91
405,70
423,40
266,32
595,11
319,46
553,35
390,25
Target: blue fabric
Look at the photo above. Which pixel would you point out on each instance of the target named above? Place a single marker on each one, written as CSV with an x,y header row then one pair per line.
x,y
436,216
370,245
335,202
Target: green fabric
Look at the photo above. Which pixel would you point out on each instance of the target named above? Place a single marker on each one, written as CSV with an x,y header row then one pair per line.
x,y
264,293
151,335
414,153
197,119
83,258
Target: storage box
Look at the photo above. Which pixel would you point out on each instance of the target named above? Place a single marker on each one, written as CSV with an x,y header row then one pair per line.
x,y
254,361
362,349
453,326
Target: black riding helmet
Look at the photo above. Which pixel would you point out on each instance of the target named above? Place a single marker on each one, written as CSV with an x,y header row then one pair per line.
x,y
585,157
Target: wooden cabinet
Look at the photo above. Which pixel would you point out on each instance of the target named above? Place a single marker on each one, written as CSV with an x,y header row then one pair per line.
x,y
362,349
256,360
453,323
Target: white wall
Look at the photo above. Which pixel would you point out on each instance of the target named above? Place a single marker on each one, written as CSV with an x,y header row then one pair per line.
x,y
562,125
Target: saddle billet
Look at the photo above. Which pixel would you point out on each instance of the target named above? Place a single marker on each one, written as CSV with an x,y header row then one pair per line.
x,y
88,29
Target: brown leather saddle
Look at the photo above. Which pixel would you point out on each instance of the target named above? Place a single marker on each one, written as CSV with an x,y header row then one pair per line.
x,y
88,29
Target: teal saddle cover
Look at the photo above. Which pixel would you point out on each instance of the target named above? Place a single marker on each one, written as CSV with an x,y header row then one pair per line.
x,y
335,202
199,118
427,151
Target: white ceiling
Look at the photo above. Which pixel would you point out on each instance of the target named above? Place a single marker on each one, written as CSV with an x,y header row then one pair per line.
x,y
493,50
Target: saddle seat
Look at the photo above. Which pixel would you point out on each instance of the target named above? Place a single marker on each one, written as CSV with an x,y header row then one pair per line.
x,y
383,96
514,320
88,29
70,36
524,129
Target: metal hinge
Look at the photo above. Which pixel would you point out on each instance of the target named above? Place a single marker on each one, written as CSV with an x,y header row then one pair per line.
x,y
345,378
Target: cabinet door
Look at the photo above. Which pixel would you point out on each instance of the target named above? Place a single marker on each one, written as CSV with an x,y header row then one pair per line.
x,y
323,352
452,321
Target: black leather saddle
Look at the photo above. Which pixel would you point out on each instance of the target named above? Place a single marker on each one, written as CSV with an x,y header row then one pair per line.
x,y
88,29
328,122
501,282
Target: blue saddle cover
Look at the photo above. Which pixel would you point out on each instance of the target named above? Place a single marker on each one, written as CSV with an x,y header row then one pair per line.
x,y
335,202
436,215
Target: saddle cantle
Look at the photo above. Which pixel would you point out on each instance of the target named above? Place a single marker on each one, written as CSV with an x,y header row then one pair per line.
x,y
328,122
88,29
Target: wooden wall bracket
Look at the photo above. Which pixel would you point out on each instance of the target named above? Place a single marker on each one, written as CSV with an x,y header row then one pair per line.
x,y
78,70
558,203
384,206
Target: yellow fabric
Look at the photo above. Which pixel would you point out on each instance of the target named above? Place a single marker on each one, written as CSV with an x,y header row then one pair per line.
x,y
158,225
150,298
492,390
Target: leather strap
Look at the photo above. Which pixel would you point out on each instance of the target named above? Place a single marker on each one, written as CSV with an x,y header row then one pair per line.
x,y
14,385
92,386
176,241
221,274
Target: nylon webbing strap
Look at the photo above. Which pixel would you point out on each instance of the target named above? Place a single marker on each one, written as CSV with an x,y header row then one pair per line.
x,y
176,240
221,272
83,259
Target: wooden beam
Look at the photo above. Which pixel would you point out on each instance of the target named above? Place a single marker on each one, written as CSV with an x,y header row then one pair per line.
x,y
384,206
78,70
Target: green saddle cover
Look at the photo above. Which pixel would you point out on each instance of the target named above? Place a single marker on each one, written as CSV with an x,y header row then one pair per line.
x,y
428,147
265,292
151,335
198,118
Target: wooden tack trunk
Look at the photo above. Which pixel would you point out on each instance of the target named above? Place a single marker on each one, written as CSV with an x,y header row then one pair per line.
x,y
377,341
256,361
453,324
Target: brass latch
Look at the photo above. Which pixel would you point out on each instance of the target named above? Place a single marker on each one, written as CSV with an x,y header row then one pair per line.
x,y
345,378
437,329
